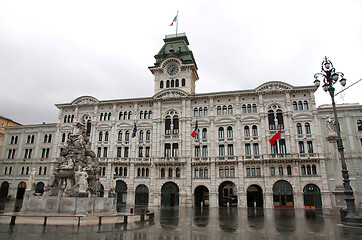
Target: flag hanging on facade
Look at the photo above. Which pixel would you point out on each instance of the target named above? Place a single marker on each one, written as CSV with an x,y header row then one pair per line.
x,y
134,130
275,137
174,20
194,133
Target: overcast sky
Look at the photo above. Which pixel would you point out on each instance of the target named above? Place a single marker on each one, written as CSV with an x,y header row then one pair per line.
x,y
55,51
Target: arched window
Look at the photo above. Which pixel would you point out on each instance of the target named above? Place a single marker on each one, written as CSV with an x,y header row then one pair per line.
x,y
218,110
45,138
125,172
145,115
109,116
168,125
205,111
224,110
140,136
314,169
271,120
221,172
246,131
255,131
229,132
230,109
249,108
196,112
204,133
125,115
167,83
306,107
106,136
201,172
147,172
300,105
299,129
232,171
295,105
221,132
309,172
248,174
120,173
226,171
303,170
141,114
200,111
161,84
280,170
307,128
183,82
280,119
120,136
126,136
289,170
170,172
243,107
63,137
206,172
196,172
129,115
176,83
258,172
120,115
175,123
100,136
148,135
172,83
150,115
255,110
359,125
178,172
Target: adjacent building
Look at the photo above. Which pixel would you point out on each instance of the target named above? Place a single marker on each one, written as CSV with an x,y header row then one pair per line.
x,y
5,122
148,156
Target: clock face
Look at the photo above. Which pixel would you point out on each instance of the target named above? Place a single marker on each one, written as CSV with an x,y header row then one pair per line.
x,y
172,69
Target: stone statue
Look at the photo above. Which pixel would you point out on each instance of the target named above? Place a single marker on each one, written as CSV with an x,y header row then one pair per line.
x,y
331,131
31,180
76,170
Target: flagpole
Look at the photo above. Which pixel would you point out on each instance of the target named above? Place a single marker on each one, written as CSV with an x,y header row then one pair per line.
x,y
176,22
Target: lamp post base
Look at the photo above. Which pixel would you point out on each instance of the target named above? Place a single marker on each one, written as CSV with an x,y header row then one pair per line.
x,y
348,220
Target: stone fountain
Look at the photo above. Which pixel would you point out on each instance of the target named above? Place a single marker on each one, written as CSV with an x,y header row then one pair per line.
x,y
74,184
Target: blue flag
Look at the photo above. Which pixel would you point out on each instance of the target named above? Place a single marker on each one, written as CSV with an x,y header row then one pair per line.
x,y
134,130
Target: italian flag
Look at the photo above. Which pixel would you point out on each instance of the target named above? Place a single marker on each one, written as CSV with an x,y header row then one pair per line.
x,y
194,133
174,20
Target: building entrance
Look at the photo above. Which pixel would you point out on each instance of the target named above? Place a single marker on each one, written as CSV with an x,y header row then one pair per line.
x,y
19,196
121,191
201,196
227,194
312,196
169,194
254,196
283,194
141,196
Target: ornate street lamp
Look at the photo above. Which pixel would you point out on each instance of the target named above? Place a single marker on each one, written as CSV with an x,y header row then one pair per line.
x,y
329,77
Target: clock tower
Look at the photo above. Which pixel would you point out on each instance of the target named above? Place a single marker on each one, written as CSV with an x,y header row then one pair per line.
x,y
175,66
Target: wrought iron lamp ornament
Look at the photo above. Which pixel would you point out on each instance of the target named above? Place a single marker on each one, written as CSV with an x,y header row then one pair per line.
x,y
329,76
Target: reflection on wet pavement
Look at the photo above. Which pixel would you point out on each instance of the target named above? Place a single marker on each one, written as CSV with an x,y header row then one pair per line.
x,y
203,224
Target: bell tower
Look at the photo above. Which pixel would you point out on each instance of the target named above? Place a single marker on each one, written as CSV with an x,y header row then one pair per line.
x,y
175,66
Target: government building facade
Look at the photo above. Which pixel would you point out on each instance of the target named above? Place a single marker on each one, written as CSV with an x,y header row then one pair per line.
x,y
148,157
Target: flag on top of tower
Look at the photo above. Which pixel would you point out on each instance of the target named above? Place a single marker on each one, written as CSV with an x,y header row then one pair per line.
x,y
194,133
174,20
275,137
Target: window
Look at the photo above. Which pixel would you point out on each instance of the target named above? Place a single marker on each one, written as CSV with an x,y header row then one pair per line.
x,y
299,129
105,152
106,136
282,146
175,124
99,152
226,171
307,128
167,83
177,83
218,110
306,107
206,173
170,172
221,132
224,110
229,132
232,171
280,119
204,133
175,150
289,170
256,148
303,170
120,136
196,112
178,172
359,125
248,172
196,172
300,105
168,125
167,150
140,152
301,147
249,108
201,172
272,170
140,136
204,151
255,131
258,172
230,109
221,172
295,105
314,169
161,84
247,149
310,146
147,152
162,172
309,170
230,150
148,135
253,171
126,150
205,111
197,151
172,83
280,170
126,137
100,136
200,111
271,120
255,108
119,151
221,150
243,107
246,131
183,82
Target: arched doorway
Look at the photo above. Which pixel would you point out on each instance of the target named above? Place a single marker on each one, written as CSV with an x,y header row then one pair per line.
x,y
4,191
254,196
283,194
19,196
312,196
201,196
141,196
228,194
39,188
121,191
169,194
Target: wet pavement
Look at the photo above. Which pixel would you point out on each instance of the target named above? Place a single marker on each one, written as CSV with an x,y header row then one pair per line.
x,y
202,224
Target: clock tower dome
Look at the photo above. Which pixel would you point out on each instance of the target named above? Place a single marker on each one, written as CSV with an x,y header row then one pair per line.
x,y
175,66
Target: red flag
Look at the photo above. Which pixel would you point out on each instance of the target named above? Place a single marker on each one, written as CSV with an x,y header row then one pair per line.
x,y
194,133
275,137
